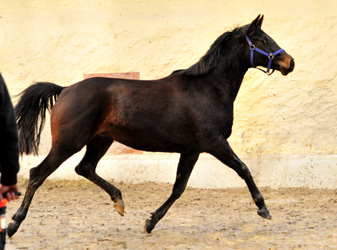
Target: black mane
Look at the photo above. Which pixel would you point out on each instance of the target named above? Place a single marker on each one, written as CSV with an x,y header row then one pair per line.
x,y
213,56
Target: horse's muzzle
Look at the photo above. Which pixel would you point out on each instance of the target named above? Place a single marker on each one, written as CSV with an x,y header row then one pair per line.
x,y
286,63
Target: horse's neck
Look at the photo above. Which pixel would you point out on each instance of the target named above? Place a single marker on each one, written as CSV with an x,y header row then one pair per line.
x,y
229,79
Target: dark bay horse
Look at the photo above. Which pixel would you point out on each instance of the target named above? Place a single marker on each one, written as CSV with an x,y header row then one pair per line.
x,y
189,112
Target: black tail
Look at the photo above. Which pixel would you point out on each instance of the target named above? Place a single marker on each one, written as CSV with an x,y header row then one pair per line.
x,y
31,113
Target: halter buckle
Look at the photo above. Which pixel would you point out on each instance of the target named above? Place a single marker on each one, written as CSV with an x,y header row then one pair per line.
x,y
270,56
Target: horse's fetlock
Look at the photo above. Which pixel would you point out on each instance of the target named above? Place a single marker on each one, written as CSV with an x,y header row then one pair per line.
x,y
19,217
259,199
119,194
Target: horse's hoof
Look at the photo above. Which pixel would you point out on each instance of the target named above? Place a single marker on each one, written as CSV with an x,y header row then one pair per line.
x,y
264,213
148,226
119,206
11,229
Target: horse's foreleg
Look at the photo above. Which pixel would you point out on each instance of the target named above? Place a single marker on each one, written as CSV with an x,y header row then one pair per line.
x,y
185,167
96,148
226,155
37,176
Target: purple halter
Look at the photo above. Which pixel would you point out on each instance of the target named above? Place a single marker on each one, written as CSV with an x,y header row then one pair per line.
x,y
269,55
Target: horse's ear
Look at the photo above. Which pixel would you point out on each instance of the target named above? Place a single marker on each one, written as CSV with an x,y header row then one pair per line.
x,y
256,23
260,21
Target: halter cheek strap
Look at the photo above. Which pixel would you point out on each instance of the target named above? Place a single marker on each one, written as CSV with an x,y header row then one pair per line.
x,y
269,55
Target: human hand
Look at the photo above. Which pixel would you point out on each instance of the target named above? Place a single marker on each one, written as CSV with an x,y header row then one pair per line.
x,y
10,192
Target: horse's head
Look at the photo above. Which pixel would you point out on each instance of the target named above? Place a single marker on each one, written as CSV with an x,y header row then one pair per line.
x,y
264,51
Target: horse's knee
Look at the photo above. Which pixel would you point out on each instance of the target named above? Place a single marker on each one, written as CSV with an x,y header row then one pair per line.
x,y
244,172
177,192
176,195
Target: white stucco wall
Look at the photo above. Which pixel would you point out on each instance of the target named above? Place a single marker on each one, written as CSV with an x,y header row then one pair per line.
x,y
283,125
273,171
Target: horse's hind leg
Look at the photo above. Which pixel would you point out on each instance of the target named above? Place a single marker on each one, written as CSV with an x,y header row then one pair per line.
x,y
96,148
185,167
37,176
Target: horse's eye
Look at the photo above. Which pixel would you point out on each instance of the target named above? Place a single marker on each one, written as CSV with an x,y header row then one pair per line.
x,y
264,41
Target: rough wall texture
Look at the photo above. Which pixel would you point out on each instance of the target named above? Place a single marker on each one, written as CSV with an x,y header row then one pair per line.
x,y
60,41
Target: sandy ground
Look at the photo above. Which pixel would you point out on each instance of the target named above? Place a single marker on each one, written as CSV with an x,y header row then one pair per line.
x,y
79,215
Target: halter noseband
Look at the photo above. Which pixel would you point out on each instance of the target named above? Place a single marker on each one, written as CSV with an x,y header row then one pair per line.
x,y
269,55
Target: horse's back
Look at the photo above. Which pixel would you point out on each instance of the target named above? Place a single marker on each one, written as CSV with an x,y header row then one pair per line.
x,y
130,111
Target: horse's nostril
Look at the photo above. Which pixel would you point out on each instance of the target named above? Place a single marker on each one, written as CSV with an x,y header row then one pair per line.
x,y
292,64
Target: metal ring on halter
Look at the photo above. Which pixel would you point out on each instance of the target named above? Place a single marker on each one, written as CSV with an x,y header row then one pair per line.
x,y
270,56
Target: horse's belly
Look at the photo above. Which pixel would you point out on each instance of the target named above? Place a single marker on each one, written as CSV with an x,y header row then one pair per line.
x,y
157,141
